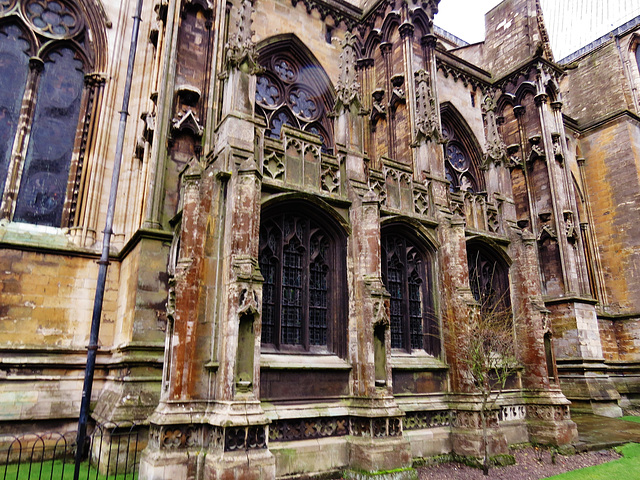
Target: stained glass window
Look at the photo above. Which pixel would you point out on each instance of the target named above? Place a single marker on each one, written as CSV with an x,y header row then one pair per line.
x,y
14,68
46,169
301,299
289,93
459,168
42,95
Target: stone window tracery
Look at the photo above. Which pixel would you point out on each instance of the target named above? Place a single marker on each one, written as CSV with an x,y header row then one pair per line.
x,y
286,94
406,273
303,284
488,279
45,57
458,165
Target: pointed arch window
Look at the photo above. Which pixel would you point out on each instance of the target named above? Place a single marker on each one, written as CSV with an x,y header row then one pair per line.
x,y
294,92
303,294
461,162
488,279
46,95
407,275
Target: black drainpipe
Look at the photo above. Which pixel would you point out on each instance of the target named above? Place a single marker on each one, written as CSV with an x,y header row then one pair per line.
x,y
104,258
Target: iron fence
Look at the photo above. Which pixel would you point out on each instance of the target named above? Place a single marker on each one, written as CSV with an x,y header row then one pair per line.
x,y
112,452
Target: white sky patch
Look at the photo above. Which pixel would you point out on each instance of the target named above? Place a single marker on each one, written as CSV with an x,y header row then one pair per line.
x,y
571,24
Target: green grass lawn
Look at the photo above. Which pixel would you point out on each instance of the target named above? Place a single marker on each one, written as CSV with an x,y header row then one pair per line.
x,y
630,418
625,468
13,473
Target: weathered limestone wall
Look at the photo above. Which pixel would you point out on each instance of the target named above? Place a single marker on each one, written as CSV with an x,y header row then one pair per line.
x,y
279,17
596,85
46,302
466,101
512,35
47,299
612,173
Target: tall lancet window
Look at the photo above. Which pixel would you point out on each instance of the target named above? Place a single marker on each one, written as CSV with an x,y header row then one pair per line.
x,y
294,90
46,53
303,295
406,273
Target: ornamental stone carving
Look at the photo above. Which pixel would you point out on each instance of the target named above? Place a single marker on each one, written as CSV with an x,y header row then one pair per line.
x,y
427,124
240,48
348,88
495,149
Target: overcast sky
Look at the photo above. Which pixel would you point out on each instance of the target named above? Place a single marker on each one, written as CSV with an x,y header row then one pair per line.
x,y
571,24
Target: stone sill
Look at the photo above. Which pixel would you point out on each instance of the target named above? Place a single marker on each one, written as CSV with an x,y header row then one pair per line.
x,y
569,299
302,362
416,361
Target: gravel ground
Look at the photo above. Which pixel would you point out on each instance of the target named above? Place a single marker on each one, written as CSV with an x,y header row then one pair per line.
x,y
531,464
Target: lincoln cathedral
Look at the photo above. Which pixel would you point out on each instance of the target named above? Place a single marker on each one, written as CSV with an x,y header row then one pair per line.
x,y
316,197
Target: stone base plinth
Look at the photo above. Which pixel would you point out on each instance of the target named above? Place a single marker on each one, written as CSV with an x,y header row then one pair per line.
x,y
402,474
241,465
201,464
376,455
561,432
469,442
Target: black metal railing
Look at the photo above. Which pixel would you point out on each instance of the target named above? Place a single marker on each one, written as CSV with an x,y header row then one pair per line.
x,y
112,452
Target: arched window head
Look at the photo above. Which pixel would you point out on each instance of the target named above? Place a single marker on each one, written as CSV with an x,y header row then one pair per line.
x,y
304,290
461,153
46,53
488,279
407,275
294,90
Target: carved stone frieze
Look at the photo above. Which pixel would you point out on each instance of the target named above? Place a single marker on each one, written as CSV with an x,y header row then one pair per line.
x,y
495,149
537,149
514,159
557,148
183,437
549,413
427,123
348,88
379,188
378,109
421,201
510,413
240,49
546,230
308,428
571,230
250,437
273,166
398,95
429,419
187,122
460,75
350,19
330,178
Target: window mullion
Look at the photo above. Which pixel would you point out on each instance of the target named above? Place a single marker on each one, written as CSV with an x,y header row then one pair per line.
x,y
406,306
21,141
277,330
306,263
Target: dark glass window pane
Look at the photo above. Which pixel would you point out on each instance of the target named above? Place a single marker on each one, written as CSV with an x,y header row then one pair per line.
x,y
318,291
46,170
395,285
405,276
292,293
14,68
295,262
415,310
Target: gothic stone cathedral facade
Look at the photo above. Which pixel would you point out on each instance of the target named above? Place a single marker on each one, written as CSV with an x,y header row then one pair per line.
x,y
315,197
